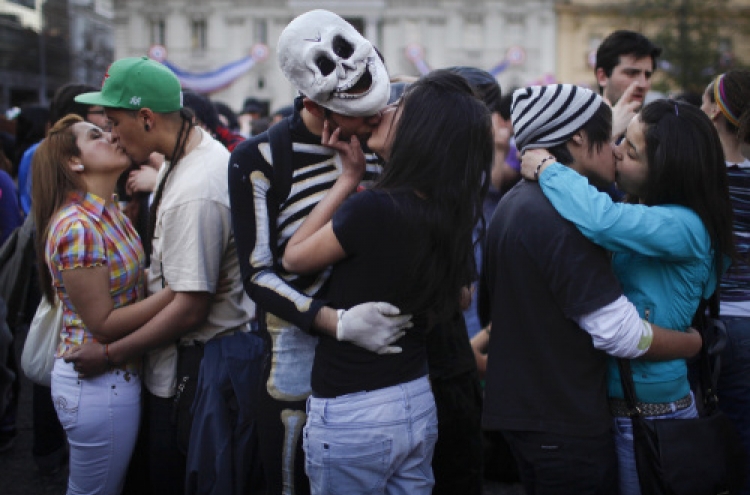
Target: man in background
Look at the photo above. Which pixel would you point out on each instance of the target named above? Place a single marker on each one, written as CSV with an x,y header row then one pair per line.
x,y
625,63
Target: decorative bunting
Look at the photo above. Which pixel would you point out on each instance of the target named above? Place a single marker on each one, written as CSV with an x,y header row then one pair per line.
x,y
212,81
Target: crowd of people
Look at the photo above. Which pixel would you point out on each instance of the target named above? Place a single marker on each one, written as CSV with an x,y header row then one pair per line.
x,y
386,287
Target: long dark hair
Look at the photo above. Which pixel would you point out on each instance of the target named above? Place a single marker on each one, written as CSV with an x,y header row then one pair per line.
x,y
686,167
443,149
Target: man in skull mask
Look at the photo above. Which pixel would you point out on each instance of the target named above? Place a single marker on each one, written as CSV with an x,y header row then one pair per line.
x,y
275,180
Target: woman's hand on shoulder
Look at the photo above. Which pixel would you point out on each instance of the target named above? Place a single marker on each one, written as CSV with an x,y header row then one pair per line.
x,y
531,161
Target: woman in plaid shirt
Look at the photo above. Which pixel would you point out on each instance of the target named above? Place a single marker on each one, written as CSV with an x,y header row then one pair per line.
x,y
95,267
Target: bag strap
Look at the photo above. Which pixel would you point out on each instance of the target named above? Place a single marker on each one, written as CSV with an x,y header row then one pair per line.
x,y
628,387
713,335
713,304
280,139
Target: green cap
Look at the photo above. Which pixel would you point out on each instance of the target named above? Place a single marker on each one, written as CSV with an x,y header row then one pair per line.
x,y
135,83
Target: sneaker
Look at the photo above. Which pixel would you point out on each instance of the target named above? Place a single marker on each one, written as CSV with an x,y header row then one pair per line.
x,y
51,464
7,439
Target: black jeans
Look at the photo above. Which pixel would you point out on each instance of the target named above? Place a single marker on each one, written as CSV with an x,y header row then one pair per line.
x,y
166,463
551,463
457,462
734,383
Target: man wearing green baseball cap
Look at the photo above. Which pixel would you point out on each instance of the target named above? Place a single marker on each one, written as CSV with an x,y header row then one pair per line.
x,y
137,82
143,99
193,252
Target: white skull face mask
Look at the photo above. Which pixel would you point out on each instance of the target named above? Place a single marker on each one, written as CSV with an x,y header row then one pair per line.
x,y
328,61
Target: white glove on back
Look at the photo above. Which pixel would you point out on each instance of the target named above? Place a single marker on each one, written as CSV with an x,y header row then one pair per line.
x,y
373,326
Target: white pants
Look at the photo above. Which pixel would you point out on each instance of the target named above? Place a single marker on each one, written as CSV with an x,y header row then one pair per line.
x,y
100,416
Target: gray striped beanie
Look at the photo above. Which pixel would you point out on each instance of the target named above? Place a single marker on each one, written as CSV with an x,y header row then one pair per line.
x,y
546,116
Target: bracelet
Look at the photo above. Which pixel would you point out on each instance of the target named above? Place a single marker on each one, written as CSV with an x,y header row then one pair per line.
x,y
106,355
538,167
647,337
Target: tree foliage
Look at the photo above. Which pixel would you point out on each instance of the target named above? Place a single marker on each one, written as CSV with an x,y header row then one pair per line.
x,y
695,36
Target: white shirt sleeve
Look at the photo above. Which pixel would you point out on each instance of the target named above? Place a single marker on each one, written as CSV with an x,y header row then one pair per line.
x,y
618,329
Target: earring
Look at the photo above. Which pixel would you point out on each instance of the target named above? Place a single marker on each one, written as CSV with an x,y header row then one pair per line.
x,y
146,127
79,167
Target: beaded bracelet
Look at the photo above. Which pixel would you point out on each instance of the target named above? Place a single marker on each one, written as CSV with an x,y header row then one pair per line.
x,y
538,167
106,355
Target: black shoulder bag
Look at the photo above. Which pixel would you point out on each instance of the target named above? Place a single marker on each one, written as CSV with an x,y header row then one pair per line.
x,y
695,456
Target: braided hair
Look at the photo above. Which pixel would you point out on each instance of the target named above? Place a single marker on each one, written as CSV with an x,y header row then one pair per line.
x,y
177,154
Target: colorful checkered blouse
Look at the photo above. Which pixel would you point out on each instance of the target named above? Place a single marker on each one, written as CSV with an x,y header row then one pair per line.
x,y
88,232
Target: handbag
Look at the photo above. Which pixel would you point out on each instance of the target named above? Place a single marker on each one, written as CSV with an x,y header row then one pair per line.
x,y
692,456
39,350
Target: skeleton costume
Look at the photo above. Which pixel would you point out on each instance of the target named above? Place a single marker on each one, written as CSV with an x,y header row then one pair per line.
x,y
271,193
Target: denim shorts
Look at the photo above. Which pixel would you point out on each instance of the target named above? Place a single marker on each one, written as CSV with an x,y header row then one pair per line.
x,y
372,442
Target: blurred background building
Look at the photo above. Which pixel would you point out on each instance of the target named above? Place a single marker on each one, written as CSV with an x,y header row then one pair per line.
x,y
205,39
226,48
47,43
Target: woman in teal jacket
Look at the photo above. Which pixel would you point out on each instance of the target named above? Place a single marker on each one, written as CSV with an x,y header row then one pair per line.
x,y
670,242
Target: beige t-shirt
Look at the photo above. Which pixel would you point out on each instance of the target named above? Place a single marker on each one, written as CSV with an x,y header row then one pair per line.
x,y
194,250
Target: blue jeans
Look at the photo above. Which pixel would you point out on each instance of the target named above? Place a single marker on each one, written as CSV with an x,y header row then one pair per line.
x,y
626,455
734,383
223,455
372,442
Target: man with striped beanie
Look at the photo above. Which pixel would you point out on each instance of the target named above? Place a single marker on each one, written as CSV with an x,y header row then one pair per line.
x,y
556,307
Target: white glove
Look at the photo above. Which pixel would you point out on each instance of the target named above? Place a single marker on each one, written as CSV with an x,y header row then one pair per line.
x,y
373,326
